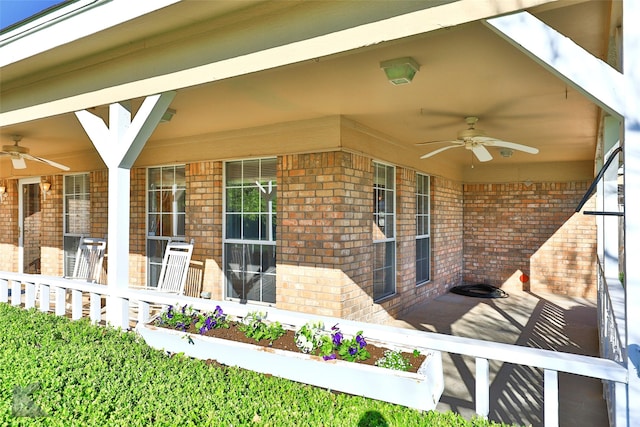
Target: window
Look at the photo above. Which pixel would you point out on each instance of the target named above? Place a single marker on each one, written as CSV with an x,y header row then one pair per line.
x,y
384,242
166,190
76,217
423,229
250,230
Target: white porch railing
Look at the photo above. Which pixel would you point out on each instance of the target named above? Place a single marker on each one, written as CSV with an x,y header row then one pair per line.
x,y
24,289
610,324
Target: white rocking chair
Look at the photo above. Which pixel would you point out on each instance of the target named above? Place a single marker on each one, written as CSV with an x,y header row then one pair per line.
x,y
89,259
175,267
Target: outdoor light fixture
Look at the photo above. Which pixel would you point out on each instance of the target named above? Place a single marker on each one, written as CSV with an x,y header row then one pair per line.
x,y
506,152
168,115
400,71
44,187
3,191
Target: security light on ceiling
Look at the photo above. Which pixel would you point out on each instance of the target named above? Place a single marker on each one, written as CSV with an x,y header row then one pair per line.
x,y
168,115
400,71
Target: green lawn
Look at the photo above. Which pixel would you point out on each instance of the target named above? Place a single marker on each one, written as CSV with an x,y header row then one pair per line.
x,y
77,374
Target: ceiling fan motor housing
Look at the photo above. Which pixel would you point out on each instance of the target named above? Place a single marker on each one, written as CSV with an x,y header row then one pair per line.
x,y
15,149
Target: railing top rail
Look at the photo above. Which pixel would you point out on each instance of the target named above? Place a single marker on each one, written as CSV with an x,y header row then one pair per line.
x,y
411,339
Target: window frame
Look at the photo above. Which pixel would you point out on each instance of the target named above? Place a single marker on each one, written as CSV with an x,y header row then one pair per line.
x,y
384,231
156,243
242,247
71,239
426,201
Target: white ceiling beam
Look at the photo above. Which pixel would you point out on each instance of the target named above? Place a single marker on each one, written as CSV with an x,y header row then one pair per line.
x,y
422,21
591,76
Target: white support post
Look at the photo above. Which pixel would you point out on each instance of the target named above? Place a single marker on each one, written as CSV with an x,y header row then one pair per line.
x,y
631,71
119,144
551,398
482,387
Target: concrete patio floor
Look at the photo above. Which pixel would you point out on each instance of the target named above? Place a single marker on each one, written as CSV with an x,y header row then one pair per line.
x,y
527,319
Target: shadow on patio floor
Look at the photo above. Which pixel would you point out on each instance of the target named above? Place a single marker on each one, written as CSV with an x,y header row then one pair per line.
x,y
543,321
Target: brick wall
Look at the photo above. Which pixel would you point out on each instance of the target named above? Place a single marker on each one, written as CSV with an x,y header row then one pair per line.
x,y
510,229
325,238
137,228
51,220
204,224
446,235
9,219
324,234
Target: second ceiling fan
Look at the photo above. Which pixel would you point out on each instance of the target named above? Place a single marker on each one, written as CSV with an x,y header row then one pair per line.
x,y
477,141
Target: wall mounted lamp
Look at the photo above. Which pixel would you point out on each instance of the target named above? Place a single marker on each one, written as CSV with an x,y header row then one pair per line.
x,y
3,191
45,187
400,71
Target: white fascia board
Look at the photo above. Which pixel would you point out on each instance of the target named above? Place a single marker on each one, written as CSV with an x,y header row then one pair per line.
x,y
75,21
591,76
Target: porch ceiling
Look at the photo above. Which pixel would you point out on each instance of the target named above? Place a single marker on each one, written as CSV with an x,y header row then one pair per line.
x,y
466,70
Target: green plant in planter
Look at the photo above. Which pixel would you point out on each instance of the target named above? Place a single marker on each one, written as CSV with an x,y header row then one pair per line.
x,y
309,336
181,318
394,359
349,349
253,326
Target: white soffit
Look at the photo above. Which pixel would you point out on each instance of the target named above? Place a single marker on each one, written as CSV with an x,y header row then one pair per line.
x,y
80,19
394,28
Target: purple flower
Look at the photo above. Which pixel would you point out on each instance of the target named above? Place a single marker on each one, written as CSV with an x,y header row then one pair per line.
x,y
203,330
329,357
360,340
337,338
170,312
353,351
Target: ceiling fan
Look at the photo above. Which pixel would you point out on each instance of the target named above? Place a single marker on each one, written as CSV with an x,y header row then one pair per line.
x,y
476,140
19,154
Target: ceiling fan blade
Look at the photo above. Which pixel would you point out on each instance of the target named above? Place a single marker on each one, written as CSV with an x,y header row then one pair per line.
x,y
444,141
46,161
481,152
18,162
440,150
491,142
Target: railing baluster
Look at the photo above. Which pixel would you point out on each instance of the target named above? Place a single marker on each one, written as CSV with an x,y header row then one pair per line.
x,y
16,292
30,295
4,290
144,310
45,297
76,304
551,396
95,307
482,387
61,300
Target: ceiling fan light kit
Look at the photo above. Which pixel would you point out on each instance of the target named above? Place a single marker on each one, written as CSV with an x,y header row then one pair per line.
x,y
477,141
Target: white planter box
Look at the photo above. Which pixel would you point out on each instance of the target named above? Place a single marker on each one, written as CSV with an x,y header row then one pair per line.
x,y
420,390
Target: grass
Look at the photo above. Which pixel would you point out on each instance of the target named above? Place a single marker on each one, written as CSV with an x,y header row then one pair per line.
x,y
54,372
